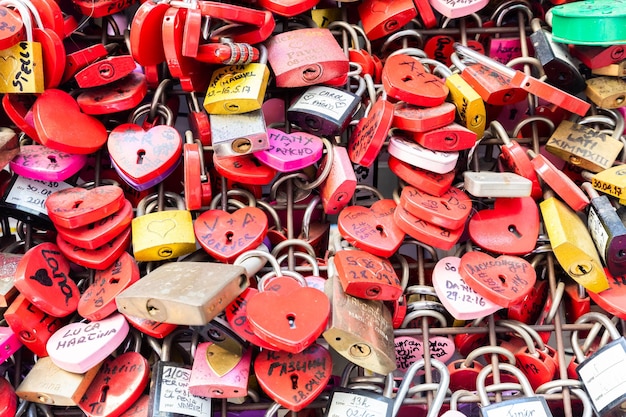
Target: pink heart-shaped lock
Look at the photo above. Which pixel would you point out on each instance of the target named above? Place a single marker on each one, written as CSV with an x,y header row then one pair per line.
x,y
456,295
42,163
78,347
457,8
409,349
290,152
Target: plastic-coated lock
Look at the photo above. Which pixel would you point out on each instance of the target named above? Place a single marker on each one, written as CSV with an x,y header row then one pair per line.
x,y
496,184
593,23
45,164
207,380
238,134
416,155
380,18
405,78
422,119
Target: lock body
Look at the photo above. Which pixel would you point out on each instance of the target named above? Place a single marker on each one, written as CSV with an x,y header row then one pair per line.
x,y
206,382
609,234
237,134
237,89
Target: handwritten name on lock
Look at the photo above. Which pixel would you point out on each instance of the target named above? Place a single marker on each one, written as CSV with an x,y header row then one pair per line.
x,y
409,349
175,396
231,80
80,335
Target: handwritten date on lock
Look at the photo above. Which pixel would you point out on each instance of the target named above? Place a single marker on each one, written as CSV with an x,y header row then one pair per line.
x,y
384,273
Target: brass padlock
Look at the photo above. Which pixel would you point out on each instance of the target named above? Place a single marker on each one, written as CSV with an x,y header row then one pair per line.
x,y
164,234
360,330
606,92
238,88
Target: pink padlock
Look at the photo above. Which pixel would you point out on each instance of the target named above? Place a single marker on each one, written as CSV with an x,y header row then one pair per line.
x,y
42,163
290,152
205,381
9,343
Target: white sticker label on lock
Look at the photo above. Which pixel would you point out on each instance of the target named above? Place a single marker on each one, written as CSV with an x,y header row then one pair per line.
x,y
603,375
325,100
30,195
175,396
598,234
347,404
523,407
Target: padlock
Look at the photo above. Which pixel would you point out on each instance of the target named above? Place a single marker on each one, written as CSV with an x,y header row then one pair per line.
x,y
572,244
193,173
585,18
119,383
237,134
238,88
291,150
294,380
78,206
75,61
124,94
339,187
8,265
580,404
27,75
105,71
351,332
506,49
423,179
380,18
578,145
528,403
99,258
423,231
602,381
615,70
457,395
324,110
352,395
9,343
450,210
496,184
169,384
303,57
416,155
14,27
561,69
45,164
607,230
577,301
177,303
463,372
144,157
198,121
46,383
219,373
608,299
164,234
369,63
607,92
440,388
525,82
422,119
8,399
98,300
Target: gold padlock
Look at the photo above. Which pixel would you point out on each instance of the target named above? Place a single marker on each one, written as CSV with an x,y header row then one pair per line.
x,y
48,384
584,146
606,92
163,234
238,88
360,330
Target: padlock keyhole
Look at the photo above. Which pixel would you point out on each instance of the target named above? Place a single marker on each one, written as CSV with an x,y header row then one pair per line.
x,y
445,205
514,230
294,381
291,319
52,159
77,204
229,236
407,78
140,154
381,230
502,279
114,281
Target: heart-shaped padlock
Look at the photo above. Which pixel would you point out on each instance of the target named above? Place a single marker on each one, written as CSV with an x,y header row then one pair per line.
x,y
237,317
77,347
144,156
456,295
75,207
225,235
511,227
405,78
368,137
294,380
290,152
99,258
42,276
371,229
83,135
410,349
118,384
504,280
42,163
450,210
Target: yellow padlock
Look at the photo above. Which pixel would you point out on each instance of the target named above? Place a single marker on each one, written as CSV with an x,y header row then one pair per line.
x,y
235,89
469,104
611,181
606,92
572,244
162,235
21,65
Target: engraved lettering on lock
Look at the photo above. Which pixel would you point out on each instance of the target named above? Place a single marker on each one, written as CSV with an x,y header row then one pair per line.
x,y
42,275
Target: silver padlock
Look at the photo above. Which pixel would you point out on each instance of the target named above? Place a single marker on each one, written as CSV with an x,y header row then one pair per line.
x,y
238,134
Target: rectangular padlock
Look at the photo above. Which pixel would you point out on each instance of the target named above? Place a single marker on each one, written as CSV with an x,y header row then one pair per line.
x,y
360,330
8,266
237,134
606,92
170,293
584,146
496,184
218,373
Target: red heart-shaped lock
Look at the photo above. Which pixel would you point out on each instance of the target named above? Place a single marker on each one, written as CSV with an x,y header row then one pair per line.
x,y
98,300
225,236
505,280
368,137
151,328
288,7
100,258
245,169
511,227
144,155
121,95
612,299
450,210
75,207
529,310
371,229
8,399
18,107
365,275
42,276
405,78
298,317
294,380
75,132
428,233
237,317
117,385
427,181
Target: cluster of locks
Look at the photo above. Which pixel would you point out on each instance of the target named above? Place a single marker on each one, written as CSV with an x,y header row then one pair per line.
x,y
369,208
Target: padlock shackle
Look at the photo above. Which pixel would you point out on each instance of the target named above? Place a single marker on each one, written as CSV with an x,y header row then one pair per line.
x,y
423,313
236,192
457,395
293,242
488,369
502,12
284,273
594,317
346,27
375,192
406,33
260,254
404,279
533,119
488,350
264,205
588,188
574,386
520,332
407,381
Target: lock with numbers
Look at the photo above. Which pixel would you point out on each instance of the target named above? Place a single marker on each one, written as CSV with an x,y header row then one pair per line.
x,y
304,57
238,88
324,110
607,231
164,234
169,385
238,134
351,332
584,146
528,404
602,381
